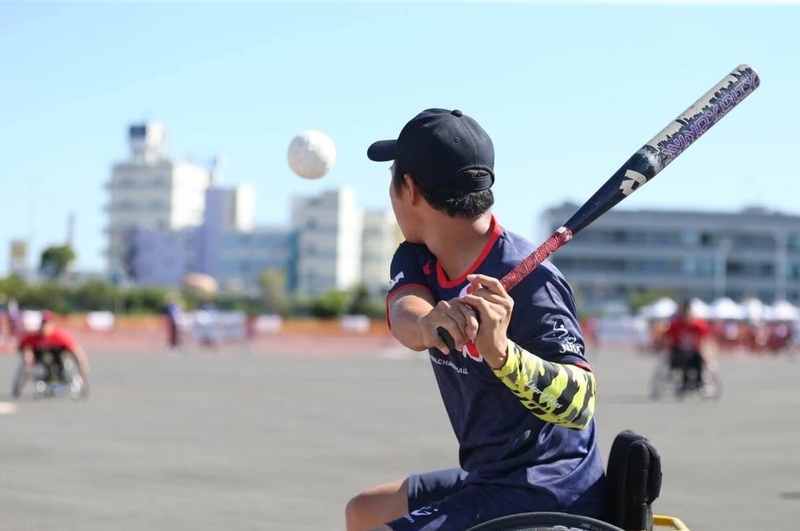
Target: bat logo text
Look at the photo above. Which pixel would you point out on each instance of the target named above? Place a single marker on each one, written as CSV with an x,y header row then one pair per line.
x,y
633,181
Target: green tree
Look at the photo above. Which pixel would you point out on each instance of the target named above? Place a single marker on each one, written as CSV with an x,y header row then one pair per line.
x,y
274,296
363,303
13,286
55,260
48,295
95,295
145,300
331,304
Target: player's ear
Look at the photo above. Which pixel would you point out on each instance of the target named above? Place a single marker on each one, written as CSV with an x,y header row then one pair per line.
x,y
412,189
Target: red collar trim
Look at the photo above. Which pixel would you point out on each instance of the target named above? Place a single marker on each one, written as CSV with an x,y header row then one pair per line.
x,y
496,230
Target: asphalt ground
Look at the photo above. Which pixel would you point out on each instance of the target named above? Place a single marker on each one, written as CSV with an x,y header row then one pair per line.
x,y
239,439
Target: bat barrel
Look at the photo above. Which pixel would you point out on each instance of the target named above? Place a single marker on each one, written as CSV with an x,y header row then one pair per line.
x,y
670,142
709,109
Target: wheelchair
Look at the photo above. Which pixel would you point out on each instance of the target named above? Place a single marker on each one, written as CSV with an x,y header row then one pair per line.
x,y
634,483
53,374
669,374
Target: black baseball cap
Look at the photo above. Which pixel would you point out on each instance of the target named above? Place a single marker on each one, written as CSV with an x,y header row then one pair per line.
x,y
436,146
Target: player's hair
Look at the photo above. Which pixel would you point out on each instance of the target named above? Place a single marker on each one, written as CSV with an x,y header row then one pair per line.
x,y
454,202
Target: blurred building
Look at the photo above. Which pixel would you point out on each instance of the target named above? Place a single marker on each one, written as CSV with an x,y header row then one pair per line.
x,y
227,246
18,258
161,257
227,211
329,241
150,191
167,219
751,253
380,237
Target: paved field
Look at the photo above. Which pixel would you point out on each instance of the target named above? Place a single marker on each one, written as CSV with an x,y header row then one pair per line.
x,y
240,441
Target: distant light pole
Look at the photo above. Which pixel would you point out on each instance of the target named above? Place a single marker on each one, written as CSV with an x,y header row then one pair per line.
x,y
720,277
781,259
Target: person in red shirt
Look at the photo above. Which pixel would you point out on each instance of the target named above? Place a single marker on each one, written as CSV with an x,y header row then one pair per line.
x,y
49,338
685,338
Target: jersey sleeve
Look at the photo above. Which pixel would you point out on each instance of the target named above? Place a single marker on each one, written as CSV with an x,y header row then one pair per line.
x,y
65,340
545,320
408,269
25,342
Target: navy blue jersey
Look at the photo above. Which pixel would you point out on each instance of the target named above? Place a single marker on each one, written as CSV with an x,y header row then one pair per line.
x,y
500,441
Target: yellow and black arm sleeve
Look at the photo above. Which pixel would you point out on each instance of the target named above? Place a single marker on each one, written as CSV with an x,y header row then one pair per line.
x,y
562,394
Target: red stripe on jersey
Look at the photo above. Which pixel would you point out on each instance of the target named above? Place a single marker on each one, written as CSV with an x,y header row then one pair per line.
x,y
441,276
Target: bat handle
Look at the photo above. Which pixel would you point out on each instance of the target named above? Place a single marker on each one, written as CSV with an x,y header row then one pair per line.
x,y
447,338
560,237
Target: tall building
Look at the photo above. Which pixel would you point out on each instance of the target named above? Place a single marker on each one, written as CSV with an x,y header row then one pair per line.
x,y
161,257
18,259
751,253
328,228
330,244
150,191
379,241
227,210
226,246
245,256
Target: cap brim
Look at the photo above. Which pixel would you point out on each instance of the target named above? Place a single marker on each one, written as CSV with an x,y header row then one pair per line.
x,y
383,151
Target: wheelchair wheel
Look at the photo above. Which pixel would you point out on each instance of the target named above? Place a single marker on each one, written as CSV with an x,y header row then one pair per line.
x,y
546,521
20,378
72,377
712,385
662,379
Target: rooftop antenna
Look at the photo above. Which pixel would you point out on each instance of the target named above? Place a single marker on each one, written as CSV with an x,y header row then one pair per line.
x,y
71,229
215,166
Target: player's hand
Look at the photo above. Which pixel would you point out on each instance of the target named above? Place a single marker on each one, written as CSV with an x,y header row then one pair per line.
x,y
494,305
459,319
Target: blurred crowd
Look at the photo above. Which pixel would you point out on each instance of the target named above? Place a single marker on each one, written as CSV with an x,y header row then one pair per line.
x,y
748,337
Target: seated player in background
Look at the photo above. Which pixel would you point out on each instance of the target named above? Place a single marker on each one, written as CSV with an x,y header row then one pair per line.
x,y
686,339
50,338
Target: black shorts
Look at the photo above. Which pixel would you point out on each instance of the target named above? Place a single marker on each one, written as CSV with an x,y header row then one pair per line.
x,y
441,501
680,358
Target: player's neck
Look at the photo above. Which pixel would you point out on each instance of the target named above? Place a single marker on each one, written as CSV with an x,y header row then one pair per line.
x,y
457,243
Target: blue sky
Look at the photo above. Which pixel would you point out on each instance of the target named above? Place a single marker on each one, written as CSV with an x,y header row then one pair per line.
x,y
567,93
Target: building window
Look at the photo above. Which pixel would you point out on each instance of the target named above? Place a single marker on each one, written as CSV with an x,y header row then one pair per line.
x,y
754,242
690,238
705,267
709,240
749,269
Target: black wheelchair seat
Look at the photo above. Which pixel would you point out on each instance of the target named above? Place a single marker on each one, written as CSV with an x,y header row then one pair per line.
x,y
634,482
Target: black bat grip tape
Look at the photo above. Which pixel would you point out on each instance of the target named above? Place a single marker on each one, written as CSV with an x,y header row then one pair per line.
x,y
447,338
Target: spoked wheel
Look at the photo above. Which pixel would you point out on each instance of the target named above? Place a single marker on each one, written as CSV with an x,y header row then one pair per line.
x,y
712,385
72,376
545,522
20,377
662,379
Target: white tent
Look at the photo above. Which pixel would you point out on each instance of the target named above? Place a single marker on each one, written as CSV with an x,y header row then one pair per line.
x,y
755,310
726,308
663,308
701,309
785,311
